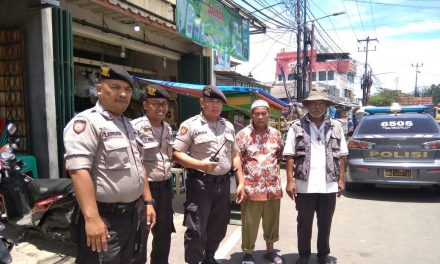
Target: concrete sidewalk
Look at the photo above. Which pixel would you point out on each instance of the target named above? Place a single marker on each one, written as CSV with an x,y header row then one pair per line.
x,y
36,249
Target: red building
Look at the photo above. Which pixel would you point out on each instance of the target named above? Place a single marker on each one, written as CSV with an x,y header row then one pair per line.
x,y
333,70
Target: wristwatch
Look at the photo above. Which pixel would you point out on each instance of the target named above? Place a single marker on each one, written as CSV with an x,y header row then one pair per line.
x,y
149,202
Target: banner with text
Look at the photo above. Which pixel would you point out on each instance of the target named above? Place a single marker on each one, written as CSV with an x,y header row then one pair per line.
x,y
211,24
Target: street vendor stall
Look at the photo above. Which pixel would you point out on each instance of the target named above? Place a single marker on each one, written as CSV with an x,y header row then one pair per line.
x,y
239,100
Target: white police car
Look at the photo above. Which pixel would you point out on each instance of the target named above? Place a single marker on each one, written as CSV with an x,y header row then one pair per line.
x,y
395,146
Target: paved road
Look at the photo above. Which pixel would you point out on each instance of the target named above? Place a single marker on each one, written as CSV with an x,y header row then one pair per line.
x,y
373,226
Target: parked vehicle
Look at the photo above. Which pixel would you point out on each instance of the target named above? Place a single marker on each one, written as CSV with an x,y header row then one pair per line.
x,y
395,146
45,205
437,114
6,246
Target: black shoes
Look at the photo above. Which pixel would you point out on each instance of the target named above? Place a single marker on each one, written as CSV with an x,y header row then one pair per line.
x,y
302,260
325,260
210,260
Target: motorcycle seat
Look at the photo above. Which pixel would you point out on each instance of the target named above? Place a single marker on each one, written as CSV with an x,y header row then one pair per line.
x,y
43,188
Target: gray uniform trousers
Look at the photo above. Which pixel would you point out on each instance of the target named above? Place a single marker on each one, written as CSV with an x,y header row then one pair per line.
x,y
160,250
207,213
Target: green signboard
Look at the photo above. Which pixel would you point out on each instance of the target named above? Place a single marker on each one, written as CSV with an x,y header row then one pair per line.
x,y
211,24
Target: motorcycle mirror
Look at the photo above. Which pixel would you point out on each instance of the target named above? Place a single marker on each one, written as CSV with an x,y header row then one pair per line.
x,y
15,144
11,128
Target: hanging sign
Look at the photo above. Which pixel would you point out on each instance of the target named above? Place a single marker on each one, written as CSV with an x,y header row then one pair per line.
x,y
211,24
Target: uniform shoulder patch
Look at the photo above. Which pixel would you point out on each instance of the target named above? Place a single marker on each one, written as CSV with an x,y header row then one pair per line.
x,y
183,130
79,126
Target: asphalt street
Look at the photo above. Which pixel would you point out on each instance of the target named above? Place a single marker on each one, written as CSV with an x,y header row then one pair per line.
x,y
371,226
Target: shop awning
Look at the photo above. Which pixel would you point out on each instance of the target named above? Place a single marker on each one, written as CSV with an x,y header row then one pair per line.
x,y
195,90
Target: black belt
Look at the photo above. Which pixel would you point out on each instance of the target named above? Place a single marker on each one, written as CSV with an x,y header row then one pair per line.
x,y
208,177
117,208
155,185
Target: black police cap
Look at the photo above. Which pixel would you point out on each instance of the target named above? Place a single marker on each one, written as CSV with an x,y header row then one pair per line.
x,y
115,72
156,91
213,92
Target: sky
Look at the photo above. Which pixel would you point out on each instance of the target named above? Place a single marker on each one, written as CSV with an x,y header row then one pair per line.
x,y
408,33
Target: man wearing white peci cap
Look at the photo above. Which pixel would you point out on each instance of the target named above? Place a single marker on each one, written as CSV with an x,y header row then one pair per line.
x,y
261,149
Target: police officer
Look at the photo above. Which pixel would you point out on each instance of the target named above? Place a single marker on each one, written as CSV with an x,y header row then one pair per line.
x,y
154,138
110,184
210,141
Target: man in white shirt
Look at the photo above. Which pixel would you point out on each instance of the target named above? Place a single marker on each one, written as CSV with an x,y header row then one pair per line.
x,y
315,151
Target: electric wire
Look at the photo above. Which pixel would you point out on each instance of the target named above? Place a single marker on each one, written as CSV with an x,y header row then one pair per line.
x,y
331,22
359,12
372,17
397,5
349,19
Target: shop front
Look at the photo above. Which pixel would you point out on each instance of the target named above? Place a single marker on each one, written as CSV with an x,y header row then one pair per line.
x,y
236,110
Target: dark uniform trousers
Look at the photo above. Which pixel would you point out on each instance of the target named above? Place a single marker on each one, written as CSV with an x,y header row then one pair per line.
x,y
307,204
126,223
161,244
207,213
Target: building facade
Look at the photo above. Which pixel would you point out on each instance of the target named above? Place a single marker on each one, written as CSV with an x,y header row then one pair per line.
x,y
336,71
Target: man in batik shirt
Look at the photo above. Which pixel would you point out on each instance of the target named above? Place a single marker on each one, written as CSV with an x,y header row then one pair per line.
x,y
261,150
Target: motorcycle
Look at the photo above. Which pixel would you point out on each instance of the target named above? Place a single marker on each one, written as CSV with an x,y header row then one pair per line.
x,y
45,205
6,246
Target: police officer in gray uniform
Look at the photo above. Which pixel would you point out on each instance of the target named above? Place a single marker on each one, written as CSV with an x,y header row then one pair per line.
x,y
110,183
210,142
154,139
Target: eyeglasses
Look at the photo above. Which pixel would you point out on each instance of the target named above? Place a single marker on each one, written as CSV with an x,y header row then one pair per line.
x,y
157,105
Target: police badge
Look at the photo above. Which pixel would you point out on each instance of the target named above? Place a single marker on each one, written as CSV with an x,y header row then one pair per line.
x,y
105,71
207,92
151,91
79,126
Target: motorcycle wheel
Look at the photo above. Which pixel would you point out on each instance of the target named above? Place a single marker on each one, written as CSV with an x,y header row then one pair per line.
x,y
5,249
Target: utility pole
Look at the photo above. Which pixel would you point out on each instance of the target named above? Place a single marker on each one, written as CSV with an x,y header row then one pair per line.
x,y
305,58
366,78
299,94
312,58
416,89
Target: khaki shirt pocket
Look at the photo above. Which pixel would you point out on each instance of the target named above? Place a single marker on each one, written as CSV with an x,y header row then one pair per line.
x,y
116,154
149,143
203,139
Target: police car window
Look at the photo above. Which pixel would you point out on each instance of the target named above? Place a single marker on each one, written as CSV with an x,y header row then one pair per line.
x,y
398,124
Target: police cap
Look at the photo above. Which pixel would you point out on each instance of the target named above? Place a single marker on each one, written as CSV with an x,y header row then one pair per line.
x,y
156,91
115,72
213,92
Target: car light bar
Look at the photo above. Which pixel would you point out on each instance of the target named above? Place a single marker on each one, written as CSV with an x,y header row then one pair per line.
x,y
403,109
358,144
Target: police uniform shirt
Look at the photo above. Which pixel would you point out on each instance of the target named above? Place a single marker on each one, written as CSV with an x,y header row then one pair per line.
x,y
203,139
156,146
106,145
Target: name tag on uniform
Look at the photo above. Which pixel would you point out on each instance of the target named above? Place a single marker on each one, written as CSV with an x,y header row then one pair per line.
x,y
147,142
198,133
112,134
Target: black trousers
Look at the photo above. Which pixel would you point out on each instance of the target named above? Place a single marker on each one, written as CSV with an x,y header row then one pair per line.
x,y
207,212
127,242
164,226
307,204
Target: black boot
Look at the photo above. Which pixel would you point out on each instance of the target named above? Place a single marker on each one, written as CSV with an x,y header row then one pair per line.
x,y
209,258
